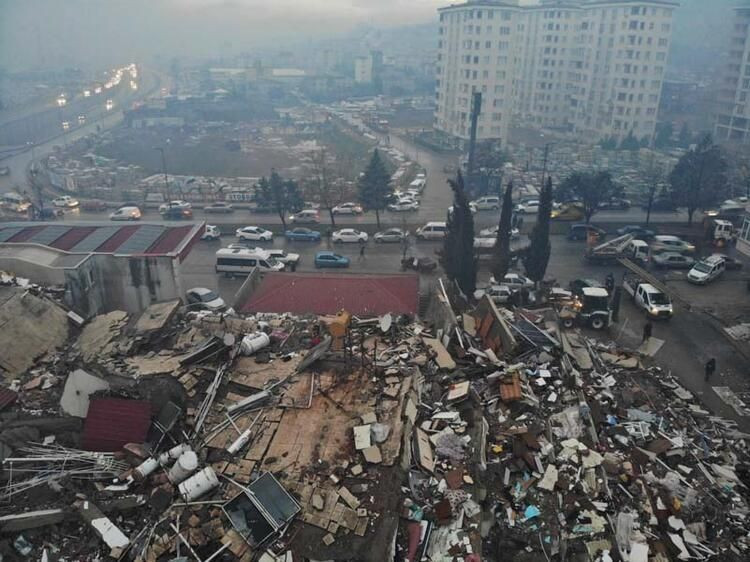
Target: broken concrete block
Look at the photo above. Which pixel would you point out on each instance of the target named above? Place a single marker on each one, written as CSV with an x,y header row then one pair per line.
x,y
348,497
329,539
317,502
372,455
356,470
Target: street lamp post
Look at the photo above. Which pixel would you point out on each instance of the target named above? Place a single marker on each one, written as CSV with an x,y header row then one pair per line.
x,y
164,169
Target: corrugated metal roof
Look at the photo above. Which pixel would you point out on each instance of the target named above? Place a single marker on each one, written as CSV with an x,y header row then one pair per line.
x,y
25,233
141,239
113,422
169,240
7,233
95,239
49,234
7,397
118,238
316,293
72,237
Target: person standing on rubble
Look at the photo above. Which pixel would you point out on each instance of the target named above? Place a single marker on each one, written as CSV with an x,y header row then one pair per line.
x,y
647,330
710,368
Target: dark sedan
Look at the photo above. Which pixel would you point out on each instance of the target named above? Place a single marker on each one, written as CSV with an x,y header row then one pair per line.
x,y
636,230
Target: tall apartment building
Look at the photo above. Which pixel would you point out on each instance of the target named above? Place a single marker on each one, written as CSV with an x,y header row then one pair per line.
x,y
590,67
733,119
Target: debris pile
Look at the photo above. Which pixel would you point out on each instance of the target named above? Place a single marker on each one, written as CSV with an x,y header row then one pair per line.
x,y
486,435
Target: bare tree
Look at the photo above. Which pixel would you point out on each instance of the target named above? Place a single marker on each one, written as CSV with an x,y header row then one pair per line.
x,y
327,190
653,176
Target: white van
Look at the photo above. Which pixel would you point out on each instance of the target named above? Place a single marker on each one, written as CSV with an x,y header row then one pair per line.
x,y
487,203
707,270
241,261
431,231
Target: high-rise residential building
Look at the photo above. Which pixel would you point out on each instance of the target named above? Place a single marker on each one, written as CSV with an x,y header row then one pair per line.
x,y
589,67
733,119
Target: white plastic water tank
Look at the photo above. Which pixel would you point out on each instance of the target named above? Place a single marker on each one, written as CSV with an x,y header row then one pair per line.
x,y
147,467
254,342
174,453
199,484
183,467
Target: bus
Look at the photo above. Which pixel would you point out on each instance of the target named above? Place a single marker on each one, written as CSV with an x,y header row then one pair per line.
x,y
241,261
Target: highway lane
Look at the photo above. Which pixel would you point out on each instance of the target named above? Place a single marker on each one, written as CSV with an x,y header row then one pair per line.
x,y
19,163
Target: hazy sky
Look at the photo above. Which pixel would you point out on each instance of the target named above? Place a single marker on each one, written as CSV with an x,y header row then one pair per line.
x,y
93,33
63,31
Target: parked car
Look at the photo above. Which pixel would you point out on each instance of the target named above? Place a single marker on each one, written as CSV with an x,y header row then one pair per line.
x,y
330,259
706,270
47,213
65,201
615,204
391,235
528,207
499,294
349,235
126,214
254,233
219,207
487,203
303,234
287,258
177,214
211,232
730,264
421,265
567,212
640,232
206,299
308,216
174,205
582,231
514,281
672,260
667,243
347,209
403,205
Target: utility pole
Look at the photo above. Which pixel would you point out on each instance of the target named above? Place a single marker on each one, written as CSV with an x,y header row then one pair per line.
x,y
476,107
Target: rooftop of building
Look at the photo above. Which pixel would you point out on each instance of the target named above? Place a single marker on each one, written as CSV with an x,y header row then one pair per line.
x,y
60,245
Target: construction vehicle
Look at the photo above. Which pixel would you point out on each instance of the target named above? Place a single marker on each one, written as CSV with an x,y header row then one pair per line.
x,y
590,308
647,297
625,246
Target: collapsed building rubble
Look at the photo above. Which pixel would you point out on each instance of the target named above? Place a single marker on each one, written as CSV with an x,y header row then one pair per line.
x,y
487,434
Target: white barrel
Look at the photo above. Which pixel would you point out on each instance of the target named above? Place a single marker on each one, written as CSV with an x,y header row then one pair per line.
x,y
254,342
183,467
174,453
240,442
199,484
147,467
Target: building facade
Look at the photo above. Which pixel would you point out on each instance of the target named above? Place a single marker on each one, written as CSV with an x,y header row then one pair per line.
x,y
592,68
733,118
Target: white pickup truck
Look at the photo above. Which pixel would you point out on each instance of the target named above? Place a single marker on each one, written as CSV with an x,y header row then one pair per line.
x,y
654,302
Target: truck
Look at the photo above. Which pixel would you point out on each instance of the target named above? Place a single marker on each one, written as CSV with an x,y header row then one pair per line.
x,y
654,302
719,231
625,246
